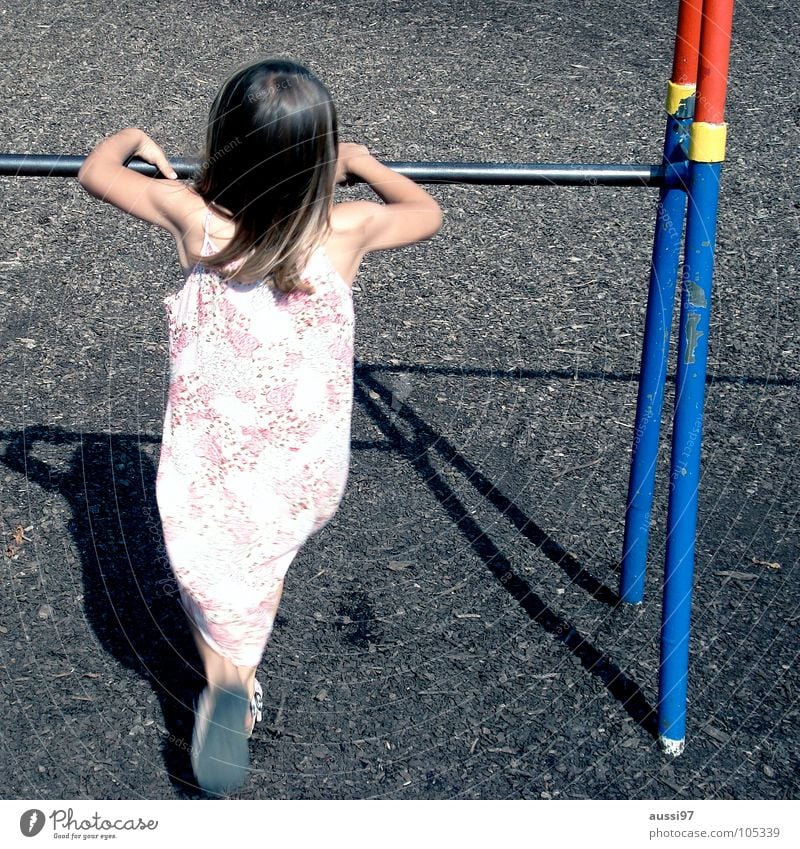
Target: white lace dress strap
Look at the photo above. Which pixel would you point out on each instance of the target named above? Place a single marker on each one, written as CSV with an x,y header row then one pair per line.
x,y
208,248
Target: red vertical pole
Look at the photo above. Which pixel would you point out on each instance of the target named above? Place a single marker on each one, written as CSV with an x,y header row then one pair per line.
x,y
687,42
715,42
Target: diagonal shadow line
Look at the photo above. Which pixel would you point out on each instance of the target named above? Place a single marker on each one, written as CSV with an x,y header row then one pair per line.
x,y
621,686
560,374
526,526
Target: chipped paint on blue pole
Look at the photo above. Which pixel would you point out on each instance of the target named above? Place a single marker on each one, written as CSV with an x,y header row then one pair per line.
x,y
670,215
698,267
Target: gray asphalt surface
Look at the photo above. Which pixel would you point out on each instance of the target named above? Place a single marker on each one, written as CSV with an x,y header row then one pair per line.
x,y
401,667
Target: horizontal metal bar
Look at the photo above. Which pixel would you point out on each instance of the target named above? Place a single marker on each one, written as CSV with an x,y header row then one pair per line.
x,y
56,165
531,174
476,173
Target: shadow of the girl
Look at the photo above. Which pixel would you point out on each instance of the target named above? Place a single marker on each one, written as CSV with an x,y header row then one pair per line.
x,y
130,600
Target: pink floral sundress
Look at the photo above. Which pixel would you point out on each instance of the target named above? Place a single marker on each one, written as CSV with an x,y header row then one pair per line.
x,y
256,441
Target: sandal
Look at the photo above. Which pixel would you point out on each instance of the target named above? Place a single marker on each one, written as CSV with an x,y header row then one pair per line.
x,y
220,756
256,704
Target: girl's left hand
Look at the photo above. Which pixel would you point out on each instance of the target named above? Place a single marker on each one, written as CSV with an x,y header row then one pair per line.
x,y
148,150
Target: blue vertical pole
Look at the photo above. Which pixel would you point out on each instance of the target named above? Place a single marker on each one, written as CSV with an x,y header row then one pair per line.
x,y
655,347
686,442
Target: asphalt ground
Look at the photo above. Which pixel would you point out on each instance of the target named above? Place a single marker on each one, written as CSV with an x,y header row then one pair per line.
x,y
496,379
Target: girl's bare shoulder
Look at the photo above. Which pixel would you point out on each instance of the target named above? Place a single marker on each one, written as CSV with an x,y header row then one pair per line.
x,y
188,217
345,239
350,216
191,214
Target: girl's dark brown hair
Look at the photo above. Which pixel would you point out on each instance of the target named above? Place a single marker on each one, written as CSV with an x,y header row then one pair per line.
x,y
270,158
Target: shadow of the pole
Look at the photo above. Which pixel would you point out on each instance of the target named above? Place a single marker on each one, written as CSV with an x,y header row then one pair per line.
x,y
564,374
621,686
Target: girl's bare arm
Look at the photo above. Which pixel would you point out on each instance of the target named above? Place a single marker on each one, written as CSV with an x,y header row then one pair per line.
x,y
408,215
104,175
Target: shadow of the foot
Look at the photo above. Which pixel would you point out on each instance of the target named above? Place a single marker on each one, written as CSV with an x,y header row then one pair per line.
x,y
621,686
130,599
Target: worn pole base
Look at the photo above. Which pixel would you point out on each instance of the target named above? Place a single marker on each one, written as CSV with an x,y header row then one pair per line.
x,y
670,747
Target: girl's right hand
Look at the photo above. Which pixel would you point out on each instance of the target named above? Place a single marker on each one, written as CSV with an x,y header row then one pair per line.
x,y
348,154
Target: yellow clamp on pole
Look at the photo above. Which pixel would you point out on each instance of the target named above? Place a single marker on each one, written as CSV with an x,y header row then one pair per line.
x,y
707,142
676,94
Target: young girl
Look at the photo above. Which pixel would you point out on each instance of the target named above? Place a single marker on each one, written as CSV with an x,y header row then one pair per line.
x,y
255,449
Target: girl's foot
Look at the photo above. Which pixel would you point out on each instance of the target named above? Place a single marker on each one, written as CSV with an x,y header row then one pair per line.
x,y
256,704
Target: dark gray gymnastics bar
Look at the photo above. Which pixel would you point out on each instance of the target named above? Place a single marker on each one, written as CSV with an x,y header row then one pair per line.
x,y
476,173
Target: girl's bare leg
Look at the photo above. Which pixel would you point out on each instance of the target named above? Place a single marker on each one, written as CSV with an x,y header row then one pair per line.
x,y
220,672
